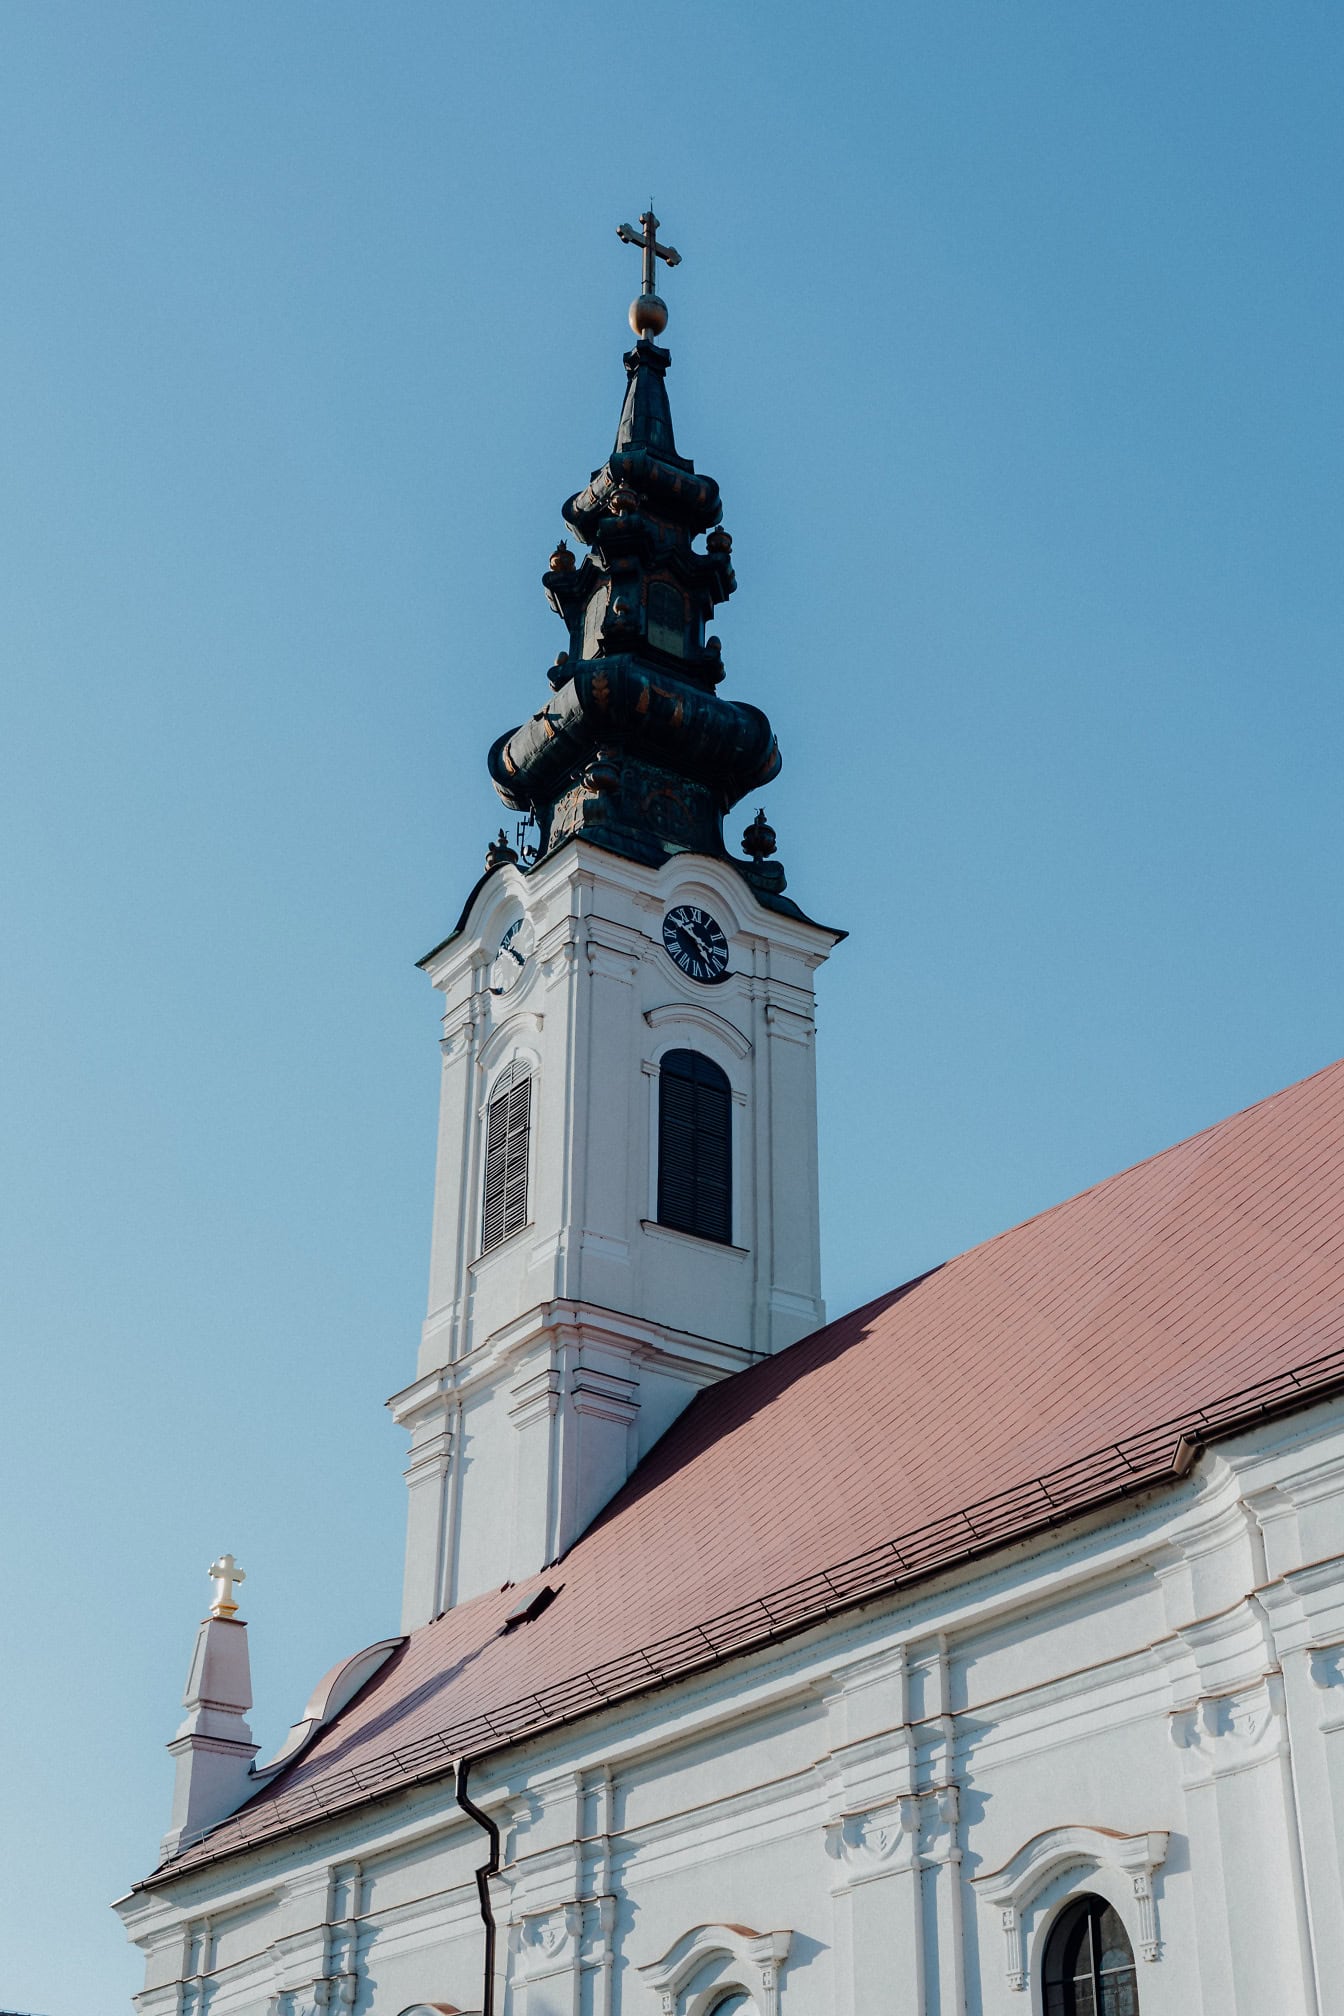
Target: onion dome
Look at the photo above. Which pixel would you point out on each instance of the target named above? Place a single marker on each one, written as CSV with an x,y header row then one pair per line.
x,y
636,751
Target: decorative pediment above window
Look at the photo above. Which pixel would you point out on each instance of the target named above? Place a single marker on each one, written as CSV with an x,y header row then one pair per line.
x,y
1012,1889
690,1014
710,1960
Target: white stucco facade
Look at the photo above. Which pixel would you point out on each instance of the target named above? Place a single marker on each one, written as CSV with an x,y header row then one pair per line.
x,y
550,1364
883,1814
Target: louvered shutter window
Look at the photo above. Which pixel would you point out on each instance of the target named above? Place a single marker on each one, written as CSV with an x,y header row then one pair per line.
x,y
695,1192
506,1129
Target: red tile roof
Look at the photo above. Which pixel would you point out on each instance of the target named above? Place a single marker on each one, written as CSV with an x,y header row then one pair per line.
x,y
1049,1370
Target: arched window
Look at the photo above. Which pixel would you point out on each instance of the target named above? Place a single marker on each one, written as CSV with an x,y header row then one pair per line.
x,y
695,1190
506,1129
734,2003
1089,1963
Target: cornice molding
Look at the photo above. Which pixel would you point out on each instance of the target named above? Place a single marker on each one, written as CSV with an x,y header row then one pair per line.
x,y
549,1325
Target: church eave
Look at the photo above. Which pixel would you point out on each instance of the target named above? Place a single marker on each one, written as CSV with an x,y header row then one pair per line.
x,y
781,906
1110,1477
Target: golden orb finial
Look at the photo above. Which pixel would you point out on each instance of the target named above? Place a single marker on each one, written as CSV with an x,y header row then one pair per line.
x,y
648,315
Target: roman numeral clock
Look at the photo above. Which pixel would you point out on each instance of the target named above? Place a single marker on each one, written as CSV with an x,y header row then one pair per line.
x,y
695,942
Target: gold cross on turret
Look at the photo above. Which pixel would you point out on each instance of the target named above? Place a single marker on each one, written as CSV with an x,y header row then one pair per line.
x,y
224,1573
647,241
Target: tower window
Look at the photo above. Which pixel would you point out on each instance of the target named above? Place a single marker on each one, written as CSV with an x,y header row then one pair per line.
x,y
507,1121
1089,1963
667,618
593,617
695,1192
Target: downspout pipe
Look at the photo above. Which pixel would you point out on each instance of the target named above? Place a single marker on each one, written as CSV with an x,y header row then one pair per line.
x,y
487,1869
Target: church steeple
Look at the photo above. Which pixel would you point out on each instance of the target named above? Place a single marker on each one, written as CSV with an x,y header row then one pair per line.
x,y
637,752
626,1187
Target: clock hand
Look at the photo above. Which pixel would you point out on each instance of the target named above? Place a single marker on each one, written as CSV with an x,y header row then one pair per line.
x,y
690,932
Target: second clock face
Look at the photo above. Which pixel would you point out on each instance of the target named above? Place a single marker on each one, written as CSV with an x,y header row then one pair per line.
x,y
696,943
511,959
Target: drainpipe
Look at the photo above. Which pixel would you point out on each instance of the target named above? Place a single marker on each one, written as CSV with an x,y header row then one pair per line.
x,y
483,1874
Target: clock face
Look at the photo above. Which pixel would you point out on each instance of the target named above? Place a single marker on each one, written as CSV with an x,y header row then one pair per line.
x,y
696,943
512,956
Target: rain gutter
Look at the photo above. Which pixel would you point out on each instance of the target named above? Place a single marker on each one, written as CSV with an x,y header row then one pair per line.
x,y
487,1869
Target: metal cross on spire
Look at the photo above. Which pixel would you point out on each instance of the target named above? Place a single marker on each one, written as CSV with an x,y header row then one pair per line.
x,y
648,315
647,240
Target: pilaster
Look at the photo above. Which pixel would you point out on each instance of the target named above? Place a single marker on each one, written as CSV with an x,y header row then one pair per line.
x,y
891,1837
1245,1844
1306,1612
561,1917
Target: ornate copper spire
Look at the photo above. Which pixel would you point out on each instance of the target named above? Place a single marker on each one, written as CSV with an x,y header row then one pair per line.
x,y
636,752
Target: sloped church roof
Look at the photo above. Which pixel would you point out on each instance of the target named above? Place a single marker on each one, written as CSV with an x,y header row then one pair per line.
x,y
1063,1365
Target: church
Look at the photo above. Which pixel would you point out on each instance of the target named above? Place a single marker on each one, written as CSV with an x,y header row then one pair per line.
x,y
977,1653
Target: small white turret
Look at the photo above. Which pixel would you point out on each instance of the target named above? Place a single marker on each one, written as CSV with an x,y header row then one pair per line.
x,y
213,1749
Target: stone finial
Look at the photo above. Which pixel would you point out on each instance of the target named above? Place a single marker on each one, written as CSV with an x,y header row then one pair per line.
x,y
759,840
224,1573
213,1749
499,854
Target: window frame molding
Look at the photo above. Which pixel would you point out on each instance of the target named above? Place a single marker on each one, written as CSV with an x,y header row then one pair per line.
x,y
1067,1862
749,1962
502,1048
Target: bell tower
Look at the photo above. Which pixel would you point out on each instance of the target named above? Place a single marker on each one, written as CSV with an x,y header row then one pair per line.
x,y
626,1185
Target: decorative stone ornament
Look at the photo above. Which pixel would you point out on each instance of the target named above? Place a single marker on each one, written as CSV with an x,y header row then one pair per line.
x,y
1221,1733
875,1842
499,854
547,1941
759,841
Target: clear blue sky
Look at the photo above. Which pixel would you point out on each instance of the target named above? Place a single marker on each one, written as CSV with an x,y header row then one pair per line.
x,y
1012,332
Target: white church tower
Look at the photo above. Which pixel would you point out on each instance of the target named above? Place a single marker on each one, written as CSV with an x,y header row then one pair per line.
x,y
626,1191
